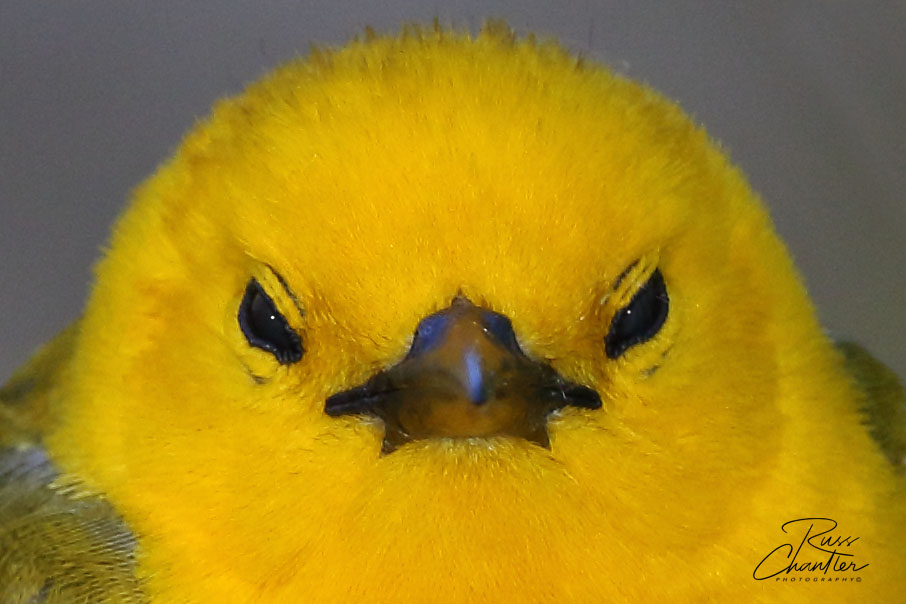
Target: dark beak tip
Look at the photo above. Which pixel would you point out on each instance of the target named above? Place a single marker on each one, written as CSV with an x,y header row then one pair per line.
x,y
336,406
587,398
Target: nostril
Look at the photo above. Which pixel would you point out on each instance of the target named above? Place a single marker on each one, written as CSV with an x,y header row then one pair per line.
x,y
501,329
429,333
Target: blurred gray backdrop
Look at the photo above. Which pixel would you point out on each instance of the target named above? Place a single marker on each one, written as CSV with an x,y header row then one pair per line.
x,y
809,97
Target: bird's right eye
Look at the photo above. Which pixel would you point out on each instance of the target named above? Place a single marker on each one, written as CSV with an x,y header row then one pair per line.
x,y
265,328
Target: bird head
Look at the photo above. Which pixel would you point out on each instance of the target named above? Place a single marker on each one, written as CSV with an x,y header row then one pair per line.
x,y
433,306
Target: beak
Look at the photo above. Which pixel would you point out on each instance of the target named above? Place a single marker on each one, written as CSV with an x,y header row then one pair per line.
x,y
464,376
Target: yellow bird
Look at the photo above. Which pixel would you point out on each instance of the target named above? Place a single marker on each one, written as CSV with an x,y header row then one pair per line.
x,y
449,318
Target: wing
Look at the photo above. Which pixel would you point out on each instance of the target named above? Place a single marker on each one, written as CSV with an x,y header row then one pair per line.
x,y
884,405
55,547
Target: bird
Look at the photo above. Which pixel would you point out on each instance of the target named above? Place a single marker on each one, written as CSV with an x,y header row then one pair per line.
x,y
453,317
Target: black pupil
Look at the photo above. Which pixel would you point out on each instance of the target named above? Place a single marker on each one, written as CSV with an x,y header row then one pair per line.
x,y
639,320
264,327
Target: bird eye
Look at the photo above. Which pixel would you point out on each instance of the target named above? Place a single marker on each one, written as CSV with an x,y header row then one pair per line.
x,y
265,328
639,320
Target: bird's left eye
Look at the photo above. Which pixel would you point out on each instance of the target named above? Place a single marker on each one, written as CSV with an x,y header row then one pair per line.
x,y
265,328
639,320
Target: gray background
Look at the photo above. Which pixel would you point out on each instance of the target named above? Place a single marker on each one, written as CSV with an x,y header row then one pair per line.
x,y
809,97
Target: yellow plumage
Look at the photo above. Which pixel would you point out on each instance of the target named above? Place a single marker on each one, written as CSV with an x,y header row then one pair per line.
x,y
364,189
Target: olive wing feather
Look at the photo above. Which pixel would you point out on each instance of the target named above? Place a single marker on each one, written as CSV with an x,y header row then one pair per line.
x,y
56,545
884,402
